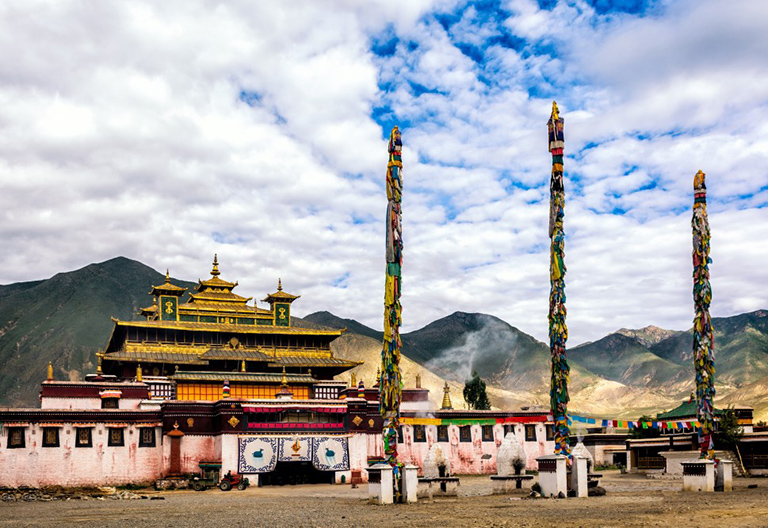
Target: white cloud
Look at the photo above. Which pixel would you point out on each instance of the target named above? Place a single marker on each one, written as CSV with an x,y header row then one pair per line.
x,y
124,133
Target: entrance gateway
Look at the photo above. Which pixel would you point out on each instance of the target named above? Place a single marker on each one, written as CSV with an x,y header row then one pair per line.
x,y
293,459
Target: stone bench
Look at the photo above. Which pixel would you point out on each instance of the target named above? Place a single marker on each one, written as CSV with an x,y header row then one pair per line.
x,y
503,483
441,486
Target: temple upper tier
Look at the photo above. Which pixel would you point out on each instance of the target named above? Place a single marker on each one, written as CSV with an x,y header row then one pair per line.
x,y
216,330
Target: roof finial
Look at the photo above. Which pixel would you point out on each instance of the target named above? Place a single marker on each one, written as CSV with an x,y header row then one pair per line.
x,y
215,271
139,373
50,372
167,275
284,381
555,112
279,284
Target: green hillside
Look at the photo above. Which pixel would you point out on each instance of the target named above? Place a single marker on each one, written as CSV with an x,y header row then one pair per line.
x,y
741,348
624,359
65,319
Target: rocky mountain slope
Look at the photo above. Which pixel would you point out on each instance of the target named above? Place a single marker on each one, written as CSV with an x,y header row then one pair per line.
x,y
66,319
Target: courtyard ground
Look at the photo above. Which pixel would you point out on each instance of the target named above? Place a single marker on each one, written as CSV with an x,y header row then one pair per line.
x,y
631,500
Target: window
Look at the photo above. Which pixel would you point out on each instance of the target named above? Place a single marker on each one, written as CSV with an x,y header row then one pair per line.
x,y
400,439
147,437
550,431
530,433
83,438
15,437
509,428
50,437
116,437
487,433
465,433
419,434
110,403
442,433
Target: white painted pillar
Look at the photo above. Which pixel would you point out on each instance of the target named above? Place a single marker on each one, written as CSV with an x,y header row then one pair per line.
x,y
579,476
380,484
410,483
553,475
724,475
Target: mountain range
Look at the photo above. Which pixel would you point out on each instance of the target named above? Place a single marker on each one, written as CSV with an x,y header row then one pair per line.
x,y
66,319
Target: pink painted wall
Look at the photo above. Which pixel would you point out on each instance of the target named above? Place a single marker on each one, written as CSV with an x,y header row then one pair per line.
x,y
466,458
68,465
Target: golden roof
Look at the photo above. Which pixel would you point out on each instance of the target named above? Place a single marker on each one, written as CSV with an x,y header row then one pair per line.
x,y
167,287
215,282
280,295
224,327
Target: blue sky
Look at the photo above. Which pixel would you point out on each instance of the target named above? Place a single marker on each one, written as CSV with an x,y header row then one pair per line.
x,y
167,133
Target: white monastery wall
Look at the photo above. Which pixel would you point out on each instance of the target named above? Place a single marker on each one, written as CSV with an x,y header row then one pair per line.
x,y
68,465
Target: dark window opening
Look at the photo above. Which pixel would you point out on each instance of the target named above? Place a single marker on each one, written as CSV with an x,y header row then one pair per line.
x,y
15,437
442,433
110,403
116,437
50,437
465,433
419,434
147,437
84,437
487,433
550,431
530,433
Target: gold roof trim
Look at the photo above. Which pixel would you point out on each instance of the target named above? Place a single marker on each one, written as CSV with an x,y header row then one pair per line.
x,y
234,328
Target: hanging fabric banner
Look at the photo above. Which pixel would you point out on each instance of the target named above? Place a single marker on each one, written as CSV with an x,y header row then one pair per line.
x,y
257,454
330,453
295,448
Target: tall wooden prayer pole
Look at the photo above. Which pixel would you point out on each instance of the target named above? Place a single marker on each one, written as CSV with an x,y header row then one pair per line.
x,y
703,336
558,331
390,381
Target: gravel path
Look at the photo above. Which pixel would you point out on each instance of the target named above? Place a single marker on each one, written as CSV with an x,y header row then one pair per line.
x,y
631,501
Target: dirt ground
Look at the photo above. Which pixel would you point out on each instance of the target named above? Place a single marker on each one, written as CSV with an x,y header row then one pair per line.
x,y
631,500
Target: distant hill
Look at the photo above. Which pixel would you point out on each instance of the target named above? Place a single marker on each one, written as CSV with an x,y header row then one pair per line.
x,y
66,319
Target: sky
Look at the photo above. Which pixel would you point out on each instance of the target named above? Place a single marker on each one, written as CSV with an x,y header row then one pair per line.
x,y
168,131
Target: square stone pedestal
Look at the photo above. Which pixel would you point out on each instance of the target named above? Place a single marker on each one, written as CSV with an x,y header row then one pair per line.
x,y
579,476
380,484
698,475
410,483
724,476
553,478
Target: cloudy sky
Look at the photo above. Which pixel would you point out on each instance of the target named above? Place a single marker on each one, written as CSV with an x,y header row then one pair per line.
x,y
170,131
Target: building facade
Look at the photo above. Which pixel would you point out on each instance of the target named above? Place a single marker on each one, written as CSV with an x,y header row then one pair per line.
x,y
206,377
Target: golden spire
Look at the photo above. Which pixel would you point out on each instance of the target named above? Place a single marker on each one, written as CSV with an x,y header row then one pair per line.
x,y
215,271
50,372
139,376
284,381
279,284
446,397
418,381
309,372
353,381
242,366
377,381
555,112
98,366
167,276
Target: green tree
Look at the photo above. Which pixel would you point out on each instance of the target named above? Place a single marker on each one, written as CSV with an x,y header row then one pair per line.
x,y
729,432
475,395
639,432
